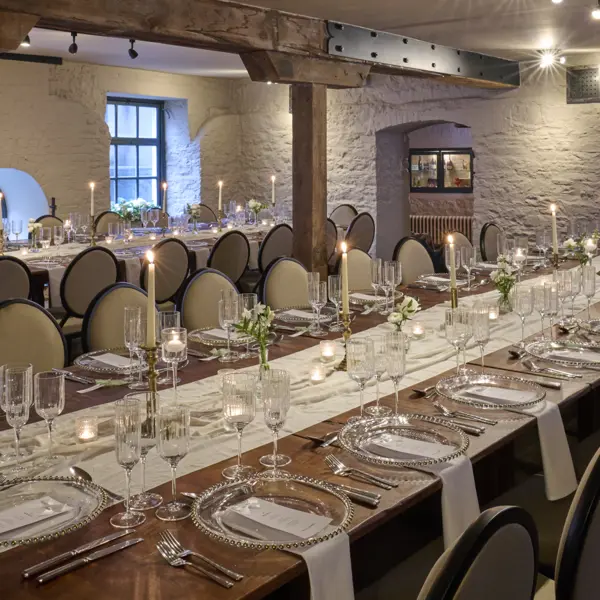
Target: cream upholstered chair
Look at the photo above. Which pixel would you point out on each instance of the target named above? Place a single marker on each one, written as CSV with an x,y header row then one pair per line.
x,y
414,258
31,334
359,270
15,278
277,244
206,214
488,241
285,285
103,320
361,232
461,240
331,236
230,255
104,218
343,214
199,302
494,559
49,221
172,261
87,275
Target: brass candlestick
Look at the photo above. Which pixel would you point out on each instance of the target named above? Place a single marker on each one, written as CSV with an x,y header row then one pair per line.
x,y
555,260
454,297
152,359
343,366
92,231
220,219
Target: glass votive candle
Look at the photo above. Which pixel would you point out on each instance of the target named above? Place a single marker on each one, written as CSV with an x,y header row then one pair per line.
x,y
152,236
264,222
86,428
108,239
418,330
229,226
327,351
317,373
24,251
175,231
493,312
215,230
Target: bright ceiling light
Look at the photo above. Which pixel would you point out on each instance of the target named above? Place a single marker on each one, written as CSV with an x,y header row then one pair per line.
x,y
596,12
547,59
546,43
557,1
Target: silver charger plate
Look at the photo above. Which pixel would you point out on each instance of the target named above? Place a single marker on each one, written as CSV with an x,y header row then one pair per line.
x,y
327,315
297,492
460,279
86,501
359,438
88,361
591,326
568,354
200,335
380,298
455,388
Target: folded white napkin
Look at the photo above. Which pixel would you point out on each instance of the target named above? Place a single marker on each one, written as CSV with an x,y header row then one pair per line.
x,y
486,266
114,360
300,314
446,280
366,297
498,395
221,334
31,513
55,275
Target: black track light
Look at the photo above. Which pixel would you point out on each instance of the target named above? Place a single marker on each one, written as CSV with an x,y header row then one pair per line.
x,y
26,42
132,52
73,47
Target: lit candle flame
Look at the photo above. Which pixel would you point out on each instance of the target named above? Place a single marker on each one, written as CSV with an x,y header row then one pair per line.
x,y
450,239
220,184
344,247
92,185
273,178
165,185
553,208
150,256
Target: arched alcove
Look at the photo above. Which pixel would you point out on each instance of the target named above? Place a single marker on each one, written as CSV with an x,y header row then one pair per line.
x,y
24,197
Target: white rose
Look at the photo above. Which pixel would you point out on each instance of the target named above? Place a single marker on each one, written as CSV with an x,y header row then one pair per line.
x,y
395,318
570,243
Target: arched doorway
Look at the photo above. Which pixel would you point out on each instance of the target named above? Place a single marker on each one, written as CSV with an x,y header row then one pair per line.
x,y
23,196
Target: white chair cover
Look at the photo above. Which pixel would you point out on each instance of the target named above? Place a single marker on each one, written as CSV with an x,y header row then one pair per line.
x,y
414,258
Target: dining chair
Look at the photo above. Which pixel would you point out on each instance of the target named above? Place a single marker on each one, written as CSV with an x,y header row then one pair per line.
x,y
31,334
230,255
206,214
361,232
199,301
49,221
414,257
103,321
276,244
359,270
163,220
15,278
104,218
331,238
285,285
494,559
172,265
460,240
343,214
488,241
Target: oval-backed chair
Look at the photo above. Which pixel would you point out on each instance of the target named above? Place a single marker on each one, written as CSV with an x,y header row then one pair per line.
x,y
163,220
414,258
15,278
276,244
461,240
49,221
230,255
29,333
104,218
359,270
331,238
361,232
199,301
206,214
285,285
488,241
343,214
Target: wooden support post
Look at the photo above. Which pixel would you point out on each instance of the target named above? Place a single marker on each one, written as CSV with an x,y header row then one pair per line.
x,y
309,166
13,29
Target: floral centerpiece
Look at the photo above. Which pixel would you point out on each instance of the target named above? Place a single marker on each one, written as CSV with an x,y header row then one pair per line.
x,y
193,210
131,210
404,311
255,207
33,229
257,324
579,249
504,280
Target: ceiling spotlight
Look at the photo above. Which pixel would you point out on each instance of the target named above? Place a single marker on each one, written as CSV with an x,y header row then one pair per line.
x,y
73,47
547,59
132,52
596,12
26,42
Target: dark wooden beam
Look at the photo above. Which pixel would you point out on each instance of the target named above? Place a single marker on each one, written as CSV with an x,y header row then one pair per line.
x,y
13,29
309,175
279,67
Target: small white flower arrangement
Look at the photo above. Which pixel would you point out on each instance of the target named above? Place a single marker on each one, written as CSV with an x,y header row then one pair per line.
x,y
257,324
570,244
33,227
193,210
255,206
405,311
504,280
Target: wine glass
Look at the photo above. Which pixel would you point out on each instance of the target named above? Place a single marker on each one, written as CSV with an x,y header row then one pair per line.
x,y
166,320
128,449
395,360
379,367
59,238
588,284
239,410
154,216
334,288
575,289
317,297
481,327
501,245
173,430
523,306
457,332
16,226
542,242
49,394
248,303
229,315
133,333
360,359
376,276
388,284
18,384
144,217
564,280
468,259
174,350
540,304
275,395
85,222
551,299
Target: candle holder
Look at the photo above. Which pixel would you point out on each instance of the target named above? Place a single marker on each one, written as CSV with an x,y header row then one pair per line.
x,y
220,220
152,359
86,428
454,297
555,260
343,366
92,231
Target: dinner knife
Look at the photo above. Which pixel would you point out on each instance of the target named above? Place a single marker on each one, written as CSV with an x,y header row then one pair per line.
x,y
80,562
51,562
76,378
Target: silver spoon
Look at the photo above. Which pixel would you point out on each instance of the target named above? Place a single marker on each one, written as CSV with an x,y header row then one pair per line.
x,y
80,473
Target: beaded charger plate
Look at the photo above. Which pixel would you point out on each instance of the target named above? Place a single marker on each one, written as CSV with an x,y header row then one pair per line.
x,y
224,512
90,362
292,315
592,326
568,354
60,505
204,337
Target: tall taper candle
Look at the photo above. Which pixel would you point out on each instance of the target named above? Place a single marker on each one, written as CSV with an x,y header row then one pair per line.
x,y
345,299
220,184
273,190
164,203
554,231
151,305
452,262
92,187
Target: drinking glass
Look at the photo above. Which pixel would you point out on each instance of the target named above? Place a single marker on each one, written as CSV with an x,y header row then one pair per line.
x,y
239,410
540,304
334,287
588,284
154,216
229,315
360,360
133,333
376,275
523,306
49,394
45,237
564,280
481,327
510,250
457,332
398,273
551,293
85,222
447,257
317,297
468,259
542,242
174,350
166,320
18,384
140,384
379,368
248,303
16,226
388,284
521,249
501,244
128,449
173,430
575,289
59,237
275,395
144,217
395,360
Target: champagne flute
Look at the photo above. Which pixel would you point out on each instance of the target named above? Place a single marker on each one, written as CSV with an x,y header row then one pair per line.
x,y
173,445
59,238
239,410
388,284
18,384
49,388
564,280
540,304
174,350
588,281
317,297
248,303
521,249
468,259
128,449
334,287
132,333
395,359
16,226
360,359
229,314
313,279
140,384
575,289
523,306
457,332
542,243
551,300
481,327
376,276
144,217
379,368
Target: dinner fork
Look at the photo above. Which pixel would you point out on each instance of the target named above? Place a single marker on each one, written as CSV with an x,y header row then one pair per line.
x,y
175,561
173,543
335,462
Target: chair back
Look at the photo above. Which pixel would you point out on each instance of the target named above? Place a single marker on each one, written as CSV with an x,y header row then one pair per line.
x,y
277,244
15,278
199,302
104,218
230,255
103,321
361,232
206,214
163,220
285,285
172,261
331,238
488,241
49,221
461,240
359,270
343,214
414,258
86,276
495,559
31,334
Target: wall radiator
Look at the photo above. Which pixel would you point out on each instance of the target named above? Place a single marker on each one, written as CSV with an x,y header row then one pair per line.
x,y
438,227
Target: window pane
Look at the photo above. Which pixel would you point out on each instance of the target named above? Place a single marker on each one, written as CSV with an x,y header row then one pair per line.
x,y
148,166
113,166
148,190
110,119
126,189
127,161
126,117
148,120
113,192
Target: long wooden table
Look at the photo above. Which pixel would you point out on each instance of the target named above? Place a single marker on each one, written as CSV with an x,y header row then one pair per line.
x,y
407,518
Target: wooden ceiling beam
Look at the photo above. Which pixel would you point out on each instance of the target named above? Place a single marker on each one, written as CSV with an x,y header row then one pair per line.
x,y
14,27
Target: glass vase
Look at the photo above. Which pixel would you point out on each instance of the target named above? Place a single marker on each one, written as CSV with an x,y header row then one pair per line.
x,y
505,304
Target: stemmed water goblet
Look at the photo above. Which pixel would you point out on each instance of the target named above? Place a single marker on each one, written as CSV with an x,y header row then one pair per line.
x,y
551,293
174,350
16,227
588,284
481,327
173,429
457,332
376,276
317,297
360,358
18,396
334,287
49,394
84,223
248,304
523,306
395,361
540,303
468,259
379,368
153,216
239,410
229,315
128,448
388,284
